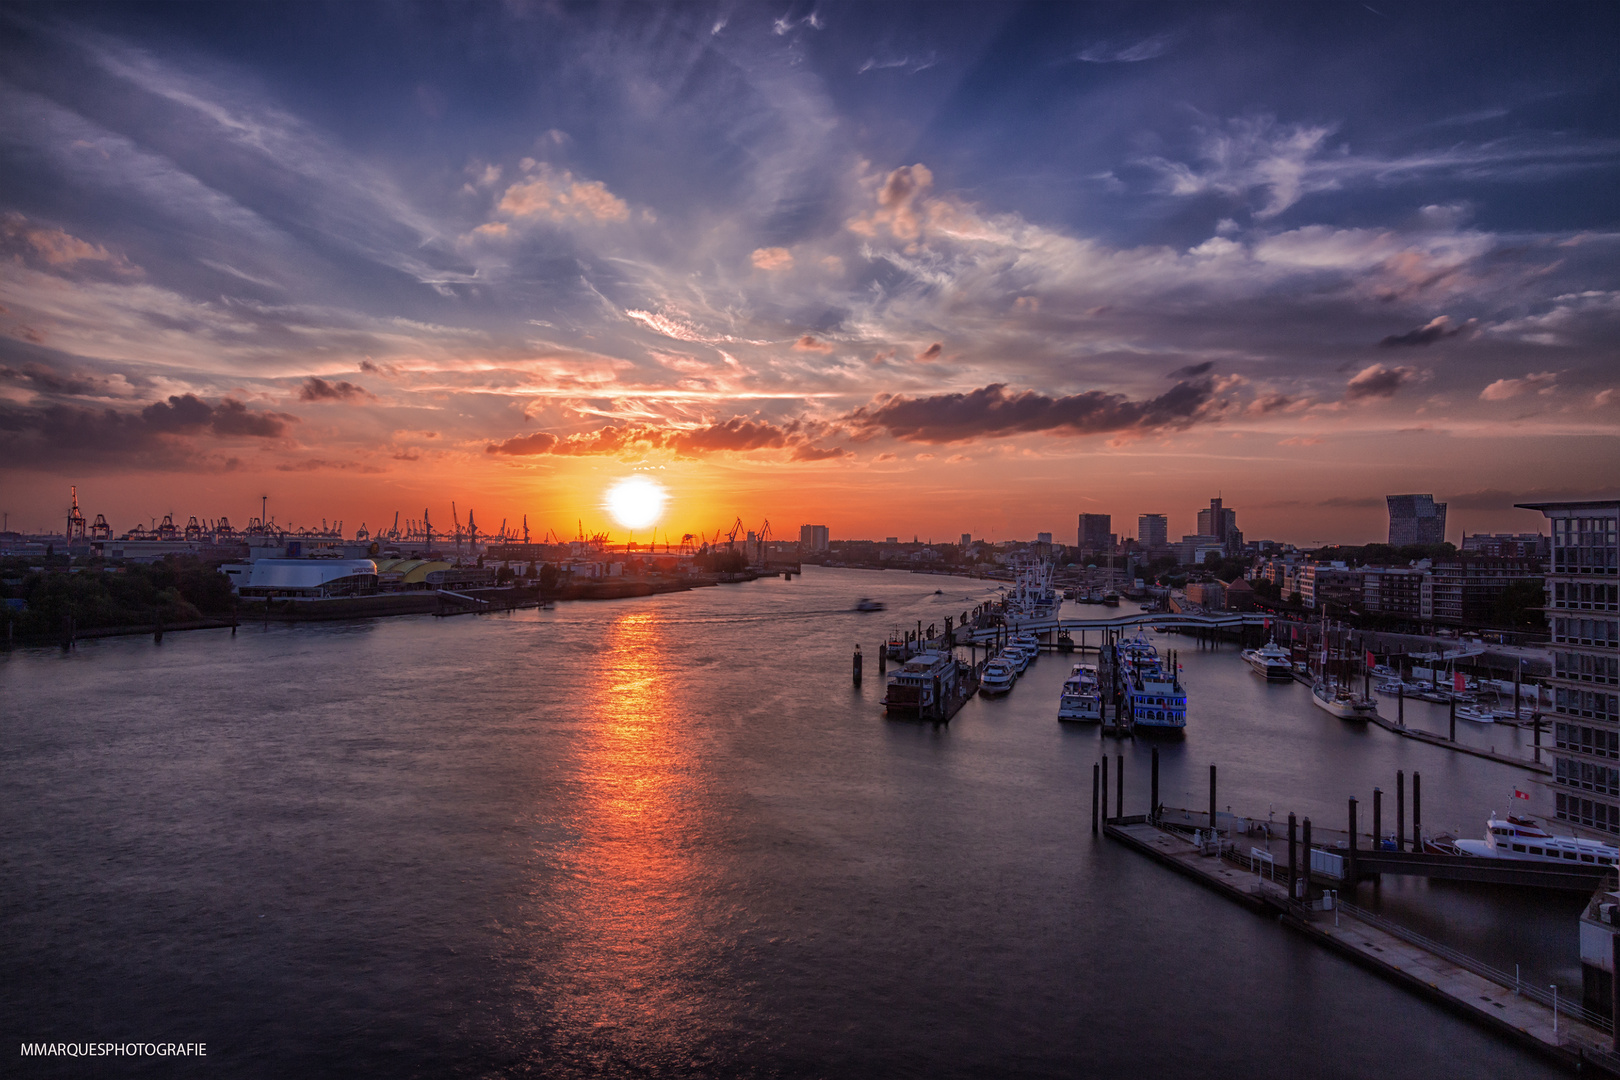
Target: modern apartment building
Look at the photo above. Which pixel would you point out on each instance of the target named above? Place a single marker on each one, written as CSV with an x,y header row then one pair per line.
x,y
1152,531
1094,534
1583,613
1416,519
813,539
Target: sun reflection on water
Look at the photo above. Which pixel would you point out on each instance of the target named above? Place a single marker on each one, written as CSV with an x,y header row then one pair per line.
x,y
629,976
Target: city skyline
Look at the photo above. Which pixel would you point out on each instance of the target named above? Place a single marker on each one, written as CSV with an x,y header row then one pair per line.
x,y
885,269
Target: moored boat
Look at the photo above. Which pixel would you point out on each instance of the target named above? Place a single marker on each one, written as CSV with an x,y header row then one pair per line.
x,y
1339,701
918,687
1081,700
1272,661
997,678
1522,838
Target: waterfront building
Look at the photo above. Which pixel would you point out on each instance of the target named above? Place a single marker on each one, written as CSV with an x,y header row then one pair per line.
x,y
1153,531
813,539
1416,519
1094,534
1210,595
1507,545
1397,590
1583,613
1330,583
1191,550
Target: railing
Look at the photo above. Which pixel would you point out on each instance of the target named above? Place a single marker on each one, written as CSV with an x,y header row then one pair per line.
x,y
1565,1006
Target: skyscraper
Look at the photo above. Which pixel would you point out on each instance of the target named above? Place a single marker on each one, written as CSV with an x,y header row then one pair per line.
x,y
1416,519
1094,534
812,538
1220,523
1581,604
1152,531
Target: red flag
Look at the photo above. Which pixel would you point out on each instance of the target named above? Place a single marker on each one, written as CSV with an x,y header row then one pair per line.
x,y
1517,794
1372,662
1457,681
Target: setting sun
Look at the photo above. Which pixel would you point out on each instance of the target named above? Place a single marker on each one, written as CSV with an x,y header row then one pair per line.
x,y
636,502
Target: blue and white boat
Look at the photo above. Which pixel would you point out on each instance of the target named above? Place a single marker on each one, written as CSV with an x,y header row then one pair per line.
x,y
1154,697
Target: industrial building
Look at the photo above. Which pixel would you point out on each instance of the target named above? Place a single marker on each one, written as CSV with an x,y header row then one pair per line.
x,y
1415,519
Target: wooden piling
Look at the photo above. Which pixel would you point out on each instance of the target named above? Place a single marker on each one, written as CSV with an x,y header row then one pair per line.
x,y
1400,810
1153,805
1094,769
1350,867
1417,813
857,665
1453,719
1306,868
1400,705
1105,788
1212,800
1293,858
1119,786
1378,819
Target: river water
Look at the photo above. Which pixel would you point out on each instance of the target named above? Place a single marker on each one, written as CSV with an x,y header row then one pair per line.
x,y
667,836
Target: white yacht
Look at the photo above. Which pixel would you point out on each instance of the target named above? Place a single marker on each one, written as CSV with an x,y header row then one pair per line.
x,y
1477,714
1521,838
1272,661
1081,700
998,677
1019,656
1339,701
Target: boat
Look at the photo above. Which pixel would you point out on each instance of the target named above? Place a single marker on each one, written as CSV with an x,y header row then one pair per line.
x,y
1339,701
1081,700
1065,641
1154,699
1032,596
866,603
918,687
1019,656
1272,661
997,678
1110,598
1478,714
1521,838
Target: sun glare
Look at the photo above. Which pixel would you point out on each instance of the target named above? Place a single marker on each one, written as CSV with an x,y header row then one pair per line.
x,y
636,502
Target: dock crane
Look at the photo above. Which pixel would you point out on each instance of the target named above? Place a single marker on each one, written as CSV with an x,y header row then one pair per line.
x,y
731,537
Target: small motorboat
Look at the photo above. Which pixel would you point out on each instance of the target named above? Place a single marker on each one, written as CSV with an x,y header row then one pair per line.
x,y
1477,714
866,603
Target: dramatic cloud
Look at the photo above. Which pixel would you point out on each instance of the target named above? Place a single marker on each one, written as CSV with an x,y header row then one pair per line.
x,y
157,435
736,435
811,344
1377,381
560,197
318,389
933,352
991,411
1437,329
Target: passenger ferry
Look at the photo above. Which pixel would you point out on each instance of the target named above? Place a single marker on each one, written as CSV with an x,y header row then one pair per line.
x,y
1019,656
1081,700
1272,661
1521,838
1154,697
997,678
913,686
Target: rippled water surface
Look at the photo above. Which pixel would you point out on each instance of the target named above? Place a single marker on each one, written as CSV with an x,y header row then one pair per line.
x,y
668,836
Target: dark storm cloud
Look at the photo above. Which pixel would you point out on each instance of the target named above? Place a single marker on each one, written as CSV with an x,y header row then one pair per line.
x,y
1435,330
45,380
992,411
160,434
318,389
1192,371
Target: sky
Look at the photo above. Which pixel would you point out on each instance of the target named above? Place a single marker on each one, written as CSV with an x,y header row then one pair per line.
x,y
896,269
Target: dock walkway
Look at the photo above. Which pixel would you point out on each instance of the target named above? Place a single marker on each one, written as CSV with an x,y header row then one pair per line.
x,y
1385,950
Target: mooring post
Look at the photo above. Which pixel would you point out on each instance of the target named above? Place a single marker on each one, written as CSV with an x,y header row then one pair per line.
x,y
1400,810
1378,819
1153,805
1400,706
1119,786
1094,768
1614,989
1105,788
1453,719
1417,813
857,665
1212,828
1306,867
1293,858
1350,873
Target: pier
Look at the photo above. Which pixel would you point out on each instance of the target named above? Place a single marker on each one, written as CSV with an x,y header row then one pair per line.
x,y
1234,856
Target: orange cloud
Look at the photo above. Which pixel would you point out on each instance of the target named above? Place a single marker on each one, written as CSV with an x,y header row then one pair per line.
x,y
563,198
772,258
811,344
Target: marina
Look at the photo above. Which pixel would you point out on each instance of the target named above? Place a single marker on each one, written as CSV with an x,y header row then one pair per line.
x,y
657,696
